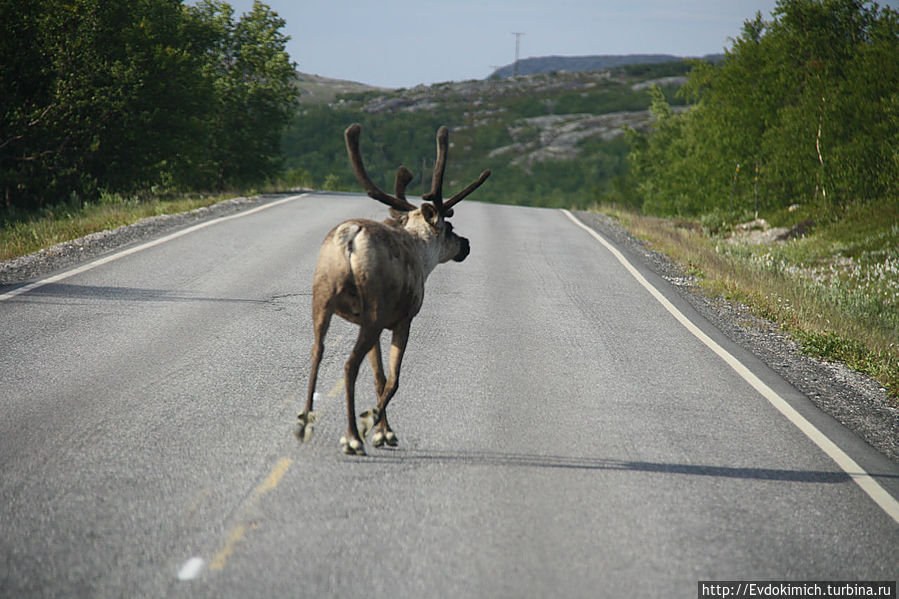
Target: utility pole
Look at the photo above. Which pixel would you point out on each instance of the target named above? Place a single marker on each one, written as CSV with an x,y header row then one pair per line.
x,y
733,188
517,35
756,189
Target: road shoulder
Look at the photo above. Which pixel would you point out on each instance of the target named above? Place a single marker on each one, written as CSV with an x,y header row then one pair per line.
x,y
84,249
856,401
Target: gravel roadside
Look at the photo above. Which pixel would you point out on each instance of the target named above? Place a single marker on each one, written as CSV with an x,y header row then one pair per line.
x,y
70,253
857,401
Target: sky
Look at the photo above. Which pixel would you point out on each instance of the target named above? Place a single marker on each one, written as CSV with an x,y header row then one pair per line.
x,y
403,43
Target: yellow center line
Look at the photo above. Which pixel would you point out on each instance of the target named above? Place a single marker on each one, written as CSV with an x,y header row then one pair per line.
x,y
337,389
235,537
273,478
197,502
237,534
289,400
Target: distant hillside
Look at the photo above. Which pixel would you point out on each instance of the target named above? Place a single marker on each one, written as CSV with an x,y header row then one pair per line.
x,y
556,64
315,89
550,139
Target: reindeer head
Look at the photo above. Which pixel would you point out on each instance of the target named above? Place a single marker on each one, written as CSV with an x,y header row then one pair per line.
x,y
429,222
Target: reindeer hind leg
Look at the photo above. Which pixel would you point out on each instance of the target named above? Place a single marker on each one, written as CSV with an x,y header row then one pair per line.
x,y
321,316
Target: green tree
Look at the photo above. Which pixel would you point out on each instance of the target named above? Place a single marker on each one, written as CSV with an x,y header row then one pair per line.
x,y
100,95
809,96
123,96
252,76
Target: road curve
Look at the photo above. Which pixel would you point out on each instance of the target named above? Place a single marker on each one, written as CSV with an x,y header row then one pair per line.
x,y
561,432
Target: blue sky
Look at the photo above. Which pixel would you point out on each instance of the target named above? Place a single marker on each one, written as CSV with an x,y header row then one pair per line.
x,y
402,43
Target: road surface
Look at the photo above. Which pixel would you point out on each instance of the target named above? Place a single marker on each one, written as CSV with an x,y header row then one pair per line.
x,y
561,431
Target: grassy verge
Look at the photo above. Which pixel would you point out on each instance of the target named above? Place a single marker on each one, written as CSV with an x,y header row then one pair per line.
x,y
835,290
22,234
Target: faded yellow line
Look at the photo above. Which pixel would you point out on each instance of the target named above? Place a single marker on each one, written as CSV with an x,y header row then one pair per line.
x,y
235,537
274,477
337,389
237,534
289,400
197,502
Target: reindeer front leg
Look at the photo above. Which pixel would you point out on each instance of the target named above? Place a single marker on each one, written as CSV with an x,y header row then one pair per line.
x,y
374,358
384,433
369,418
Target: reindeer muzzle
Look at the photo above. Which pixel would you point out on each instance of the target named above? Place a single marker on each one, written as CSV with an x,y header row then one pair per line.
x,y
464,250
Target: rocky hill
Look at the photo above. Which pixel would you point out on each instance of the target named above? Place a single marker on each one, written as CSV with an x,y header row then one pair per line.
x,y
524,128
315,89
604,62
558,64
556,135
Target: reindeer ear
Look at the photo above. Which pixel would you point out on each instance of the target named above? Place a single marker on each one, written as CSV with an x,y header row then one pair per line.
x,y
429,212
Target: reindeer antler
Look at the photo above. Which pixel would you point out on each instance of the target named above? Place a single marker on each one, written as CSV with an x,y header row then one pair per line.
x,y
447,207
436,193
403,176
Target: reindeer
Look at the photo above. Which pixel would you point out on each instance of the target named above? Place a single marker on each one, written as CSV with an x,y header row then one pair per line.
x,y
373,275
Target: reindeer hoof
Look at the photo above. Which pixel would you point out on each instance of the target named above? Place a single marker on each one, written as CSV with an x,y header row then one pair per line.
x,y
379,439
352,447
305,426
367,420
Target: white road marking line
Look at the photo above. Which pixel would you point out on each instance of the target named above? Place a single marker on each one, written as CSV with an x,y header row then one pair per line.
x,y
191,569
112,257
875,491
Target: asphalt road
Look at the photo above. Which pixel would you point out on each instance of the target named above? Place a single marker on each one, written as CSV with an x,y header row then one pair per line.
x,y
561,433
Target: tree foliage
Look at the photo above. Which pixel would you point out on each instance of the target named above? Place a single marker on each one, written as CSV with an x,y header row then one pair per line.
x,y
809,98
123,96
254,98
